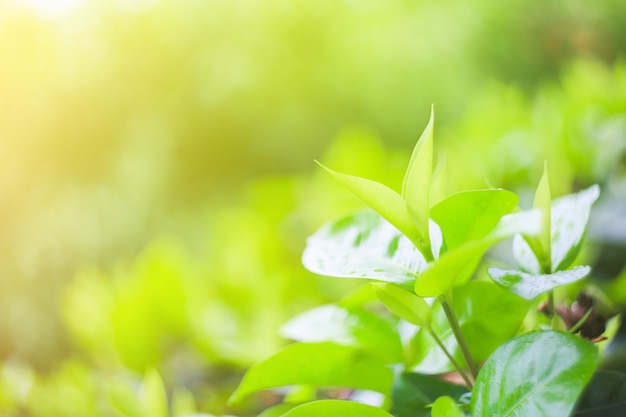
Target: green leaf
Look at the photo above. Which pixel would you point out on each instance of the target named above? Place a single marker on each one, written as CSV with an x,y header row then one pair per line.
x,y
488,316
351,327
363,245
336,408
278,410
471,215
446,407
530,286
404,304
319,364
384,201
416,183
539,374
153,395
412,393
458,265
124,399
569,222
541,245
604,396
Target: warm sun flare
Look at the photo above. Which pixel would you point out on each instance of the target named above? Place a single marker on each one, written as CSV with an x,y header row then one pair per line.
x,y
52,8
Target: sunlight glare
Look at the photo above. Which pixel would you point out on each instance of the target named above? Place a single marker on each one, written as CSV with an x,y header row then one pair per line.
x,y
52,8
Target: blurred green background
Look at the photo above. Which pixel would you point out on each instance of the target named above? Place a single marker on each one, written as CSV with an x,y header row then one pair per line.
x,y
157,181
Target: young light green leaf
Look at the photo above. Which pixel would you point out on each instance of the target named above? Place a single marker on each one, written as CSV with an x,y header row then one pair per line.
x,y
487,315
530,286
318,364
541,246
352,327
569,222
453,267
183,403
124,399
385,202
404,304
416,183
471,215
446,407
337,408
457,266
153,395
363,245
413,393
556,368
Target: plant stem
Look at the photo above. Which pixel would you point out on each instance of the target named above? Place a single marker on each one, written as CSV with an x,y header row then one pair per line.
x,y
452,360
456,329
580,322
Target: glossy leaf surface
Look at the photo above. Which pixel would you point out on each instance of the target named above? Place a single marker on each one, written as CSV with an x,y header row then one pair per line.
x,y
471,215
488,316
336,408
446,407
413,393
351,327
569,216
530,286
318,364
416,183
382,200
569,222
404,304
604,396
363,245
538,374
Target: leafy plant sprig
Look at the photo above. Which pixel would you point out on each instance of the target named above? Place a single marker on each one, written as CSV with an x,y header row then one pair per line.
x,y
422,259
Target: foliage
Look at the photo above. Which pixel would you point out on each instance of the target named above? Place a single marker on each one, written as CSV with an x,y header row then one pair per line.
x,y
447,322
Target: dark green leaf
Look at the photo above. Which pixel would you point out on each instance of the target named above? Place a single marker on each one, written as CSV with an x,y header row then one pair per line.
x,y
352,327
530,286
412,393
363,245
336,408
539,374
404,304
604,396
318,364
471,215
488,316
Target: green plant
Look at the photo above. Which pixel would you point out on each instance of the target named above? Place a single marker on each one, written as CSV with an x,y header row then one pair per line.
x,y
431,336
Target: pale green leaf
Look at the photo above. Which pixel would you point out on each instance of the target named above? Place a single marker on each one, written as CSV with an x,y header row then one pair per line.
x,y
319,364
416,183
539,374
336,408
352,327
404,304
570,214
541,246
363,245
530,286
153,395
